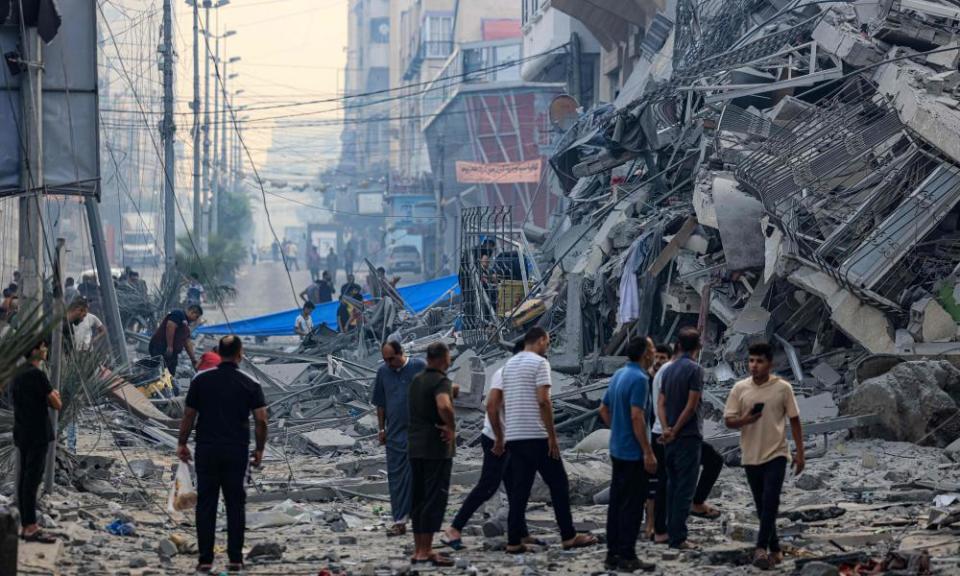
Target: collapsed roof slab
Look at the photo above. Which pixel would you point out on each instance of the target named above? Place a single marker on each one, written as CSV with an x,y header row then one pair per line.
x,y
930,118
863,323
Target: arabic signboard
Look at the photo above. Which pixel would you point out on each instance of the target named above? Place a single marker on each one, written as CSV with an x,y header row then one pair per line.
x,y
499,172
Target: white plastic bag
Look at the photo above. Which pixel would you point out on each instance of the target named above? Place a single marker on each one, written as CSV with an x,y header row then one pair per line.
x,y
183,495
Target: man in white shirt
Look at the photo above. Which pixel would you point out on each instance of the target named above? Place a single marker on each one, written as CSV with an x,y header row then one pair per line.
x,y
527,433
88,332
304,324
491,474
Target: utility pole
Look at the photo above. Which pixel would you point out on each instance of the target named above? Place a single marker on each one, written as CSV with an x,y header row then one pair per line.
x,y
204,238
197,204
167,130
107,291
56,360
215,171
31,234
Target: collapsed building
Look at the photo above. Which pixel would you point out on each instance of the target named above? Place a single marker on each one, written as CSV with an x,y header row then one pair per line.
x,y
772,170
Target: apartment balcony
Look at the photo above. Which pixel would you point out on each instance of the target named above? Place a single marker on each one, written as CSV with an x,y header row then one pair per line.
x,y
426,50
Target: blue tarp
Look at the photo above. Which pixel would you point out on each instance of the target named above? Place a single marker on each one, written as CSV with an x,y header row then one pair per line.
x,y
418,296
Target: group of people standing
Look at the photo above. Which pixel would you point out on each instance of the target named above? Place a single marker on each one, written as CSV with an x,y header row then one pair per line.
x,y
662,467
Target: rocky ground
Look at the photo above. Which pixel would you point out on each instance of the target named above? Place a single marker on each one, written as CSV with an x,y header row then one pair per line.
x,y
868,497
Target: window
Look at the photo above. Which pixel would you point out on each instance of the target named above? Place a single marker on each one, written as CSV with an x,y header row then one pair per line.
x,y
530,9
438,36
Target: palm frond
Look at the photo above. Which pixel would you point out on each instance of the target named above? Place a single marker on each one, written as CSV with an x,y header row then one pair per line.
x,y
20,337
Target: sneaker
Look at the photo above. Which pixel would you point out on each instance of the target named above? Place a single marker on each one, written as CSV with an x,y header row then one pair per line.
x,y
633,564
611,562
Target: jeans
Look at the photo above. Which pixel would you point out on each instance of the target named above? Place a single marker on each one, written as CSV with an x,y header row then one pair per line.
x,y
660,496
766,483
526,459
491,474
32,462
683,467
221,468
711,463
628,492
72,437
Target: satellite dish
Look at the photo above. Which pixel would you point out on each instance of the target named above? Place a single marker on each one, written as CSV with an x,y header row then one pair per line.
x,y
563,112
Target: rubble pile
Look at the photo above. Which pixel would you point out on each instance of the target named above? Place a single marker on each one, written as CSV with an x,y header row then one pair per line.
x,y
772,170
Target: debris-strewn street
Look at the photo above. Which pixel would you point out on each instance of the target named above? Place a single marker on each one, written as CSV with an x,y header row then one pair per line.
x,y
592,177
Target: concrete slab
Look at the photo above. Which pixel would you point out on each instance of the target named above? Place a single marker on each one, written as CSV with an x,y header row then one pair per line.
x,y
33,557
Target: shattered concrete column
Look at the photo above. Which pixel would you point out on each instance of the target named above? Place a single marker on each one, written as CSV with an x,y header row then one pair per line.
x,y
574,323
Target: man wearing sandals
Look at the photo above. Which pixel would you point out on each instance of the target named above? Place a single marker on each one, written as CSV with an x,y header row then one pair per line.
x,y
432,443
528,435
32,434
390,396
759,407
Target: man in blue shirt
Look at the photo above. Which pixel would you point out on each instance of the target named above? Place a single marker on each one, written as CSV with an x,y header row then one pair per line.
x,y
390,395
624,410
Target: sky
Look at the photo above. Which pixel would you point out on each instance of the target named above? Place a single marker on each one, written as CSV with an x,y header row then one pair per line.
x,y
291,51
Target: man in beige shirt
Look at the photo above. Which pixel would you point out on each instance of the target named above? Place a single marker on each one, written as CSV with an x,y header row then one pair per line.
x,y
759,407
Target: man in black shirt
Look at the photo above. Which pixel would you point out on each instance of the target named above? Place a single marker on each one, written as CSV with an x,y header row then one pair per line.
x,y
173,336
32,434
220,401
431,435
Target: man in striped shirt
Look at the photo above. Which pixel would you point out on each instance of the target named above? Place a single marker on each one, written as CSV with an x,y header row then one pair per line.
x,y
527,433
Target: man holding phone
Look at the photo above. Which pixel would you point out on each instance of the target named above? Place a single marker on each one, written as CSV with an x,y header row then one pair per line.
x,y
759,407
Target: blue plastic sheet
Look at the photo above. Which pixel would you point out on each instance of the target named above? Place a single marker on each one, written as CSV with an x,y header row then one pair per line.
x,y
419,297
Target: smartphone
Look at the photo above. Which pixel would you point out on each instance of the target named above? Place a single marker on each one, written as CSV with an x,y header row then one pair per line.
x,y
757,408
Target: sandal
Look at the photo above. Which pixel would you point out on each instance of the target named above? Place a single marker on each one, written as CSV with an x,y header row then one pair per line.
x,y
521,549
710,514
204,568
580,541
235,567
441,561
761,560
456,544
39,537
534,541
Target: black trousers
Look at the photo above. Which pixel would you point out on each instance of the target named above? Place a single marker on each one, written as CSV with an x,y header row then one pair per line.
x,y
431,489
32,462
526,459
711,463
221,468
766,483
660,497
169,361
628,492
491,474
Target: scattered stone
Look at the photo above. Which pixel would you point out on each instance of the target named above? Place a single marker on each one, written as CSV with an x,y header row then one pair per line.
x,y
492,529
348,540
816,514
819,569
338,526
167,548
809,482
138,562
266,551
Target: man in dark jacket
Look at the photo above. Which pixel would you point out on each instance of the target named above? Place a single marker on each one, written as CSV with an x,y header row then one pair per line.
x,y
173,337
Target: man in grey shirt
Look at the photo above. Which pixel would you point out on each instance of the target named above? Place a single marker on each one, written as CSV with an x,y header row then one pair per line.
x,y
681,417
390,395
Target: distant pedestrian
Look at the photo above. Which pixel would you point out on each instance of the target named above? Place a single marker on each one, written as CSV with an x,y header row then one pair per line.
x,y
528,435
681,417
172,337
349,255
624,411
491,473
209,359
313,262
32,395
348,313
89,288
320,292
333,263
221,401
195,291
254,253
275,251
69,291
303,327
759,407
432,441
290,252
391,397
350,285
